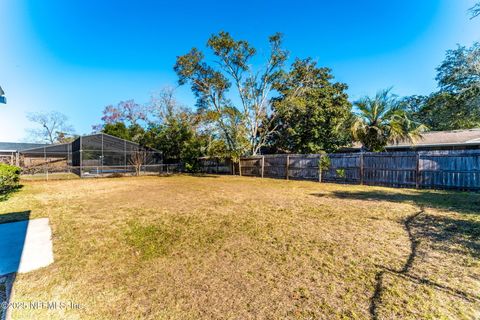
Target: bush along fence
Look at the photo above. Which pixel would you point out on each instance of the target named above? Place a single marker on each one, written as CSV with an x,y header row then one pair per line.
x,y
445,169
9,177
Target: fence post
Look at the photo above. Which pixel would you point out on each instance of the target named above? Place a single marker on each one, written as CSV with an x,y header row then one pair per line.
x,y
320,168
125,156
263,164
101,160
361,168
45,162
240,166
417,171
287,164
80,151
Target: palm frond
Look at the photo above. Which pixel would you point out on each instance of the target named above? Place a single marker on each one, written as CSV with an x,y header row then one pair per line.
x,y
381,119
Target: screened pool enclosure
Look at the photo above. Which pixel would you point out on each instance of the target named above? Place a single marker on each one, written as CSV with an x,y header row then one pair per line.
x,y
92,155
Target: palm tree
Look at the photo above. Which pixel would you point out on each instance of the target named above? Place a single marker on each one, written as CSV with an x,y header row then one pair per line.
x,y
381,120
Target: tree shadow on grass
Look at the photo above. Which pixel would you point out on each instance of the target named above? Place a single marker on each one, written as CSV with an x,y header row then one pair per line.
x,y
460,236
446,233
462,202
457,236
376,299
14,217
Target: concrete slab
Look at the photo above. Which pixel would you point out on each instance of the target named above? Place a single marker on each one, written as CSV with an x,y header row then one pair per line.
x,y
25,246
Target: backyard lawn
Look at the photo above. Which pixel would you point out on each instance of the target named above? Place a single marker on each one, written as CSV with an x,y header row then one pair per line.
x,y
224,247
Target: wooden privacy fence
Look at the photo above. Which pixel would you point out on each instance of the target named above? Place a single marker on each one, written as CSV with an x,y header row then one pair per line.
x,y
446,169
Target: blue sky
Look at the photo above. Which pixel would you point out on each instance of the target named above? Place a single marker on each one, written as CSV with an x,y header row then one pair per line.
x,y
78,56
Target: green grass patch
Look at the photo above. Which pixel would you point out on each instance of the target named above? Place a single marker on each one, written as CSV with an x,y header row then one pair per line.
x,y
151,240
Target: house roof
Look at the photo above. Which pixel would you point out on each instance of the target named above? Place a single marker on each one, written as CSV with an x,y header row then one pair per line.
x,y
117,138
18,146
439,138
468,136
59,148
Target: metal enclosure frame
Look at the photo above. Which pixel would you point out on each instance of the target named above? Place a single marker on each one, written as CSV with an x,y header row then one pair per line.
x,y
92,155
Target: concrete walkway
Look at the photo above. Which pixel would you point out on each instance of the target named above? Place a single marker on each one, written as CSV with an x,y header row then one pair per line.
x,y
25,246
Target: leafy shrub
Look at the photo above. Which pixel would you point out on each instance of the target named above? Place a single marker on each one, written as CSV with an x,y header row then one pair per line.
x,y
9,177
341,173
191,167
324,162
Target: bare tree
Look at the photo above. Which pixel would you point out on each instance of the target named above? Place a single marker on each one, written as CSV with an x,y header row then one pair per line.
x,y
128,112
52,126
139,157
163,104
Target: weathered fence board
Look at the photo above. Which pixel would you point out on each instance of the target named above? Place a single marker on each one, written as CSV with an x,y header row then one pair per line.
x,y
450,170
303,166
216,165
275,167
251,166
344,168
446,169
391,169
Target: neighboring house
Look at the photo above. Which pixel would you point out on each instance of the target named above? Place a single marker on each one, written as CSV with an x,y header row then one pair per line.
x,y
434,140
9,150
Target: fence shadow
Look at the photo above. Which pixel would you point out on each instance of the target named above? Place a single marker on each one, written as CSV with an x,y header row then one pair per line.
x,y
204,175
462,202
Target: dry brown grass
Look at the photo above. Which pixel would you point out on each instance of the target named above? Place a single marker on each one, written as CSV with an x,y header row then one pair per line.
x,y
187,247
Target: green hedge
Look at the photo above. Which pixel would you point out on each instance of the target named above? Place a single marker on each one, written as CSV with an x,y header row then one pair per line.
x,y
9,177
